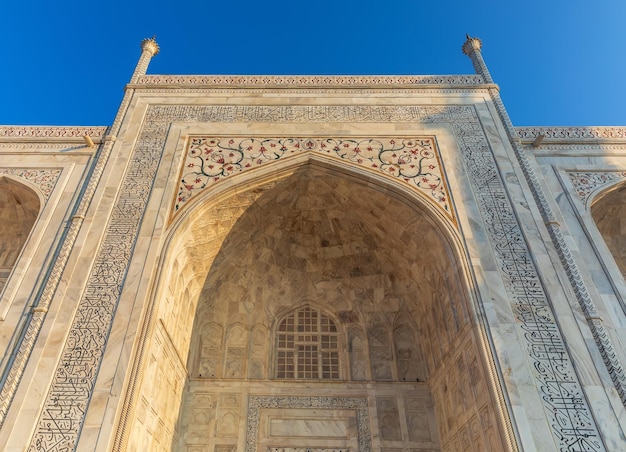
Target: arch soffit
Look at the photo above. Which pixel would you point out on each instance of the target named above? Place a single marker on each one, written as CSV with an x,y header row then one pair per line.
x,y
25,185
276,171
602,191
179,246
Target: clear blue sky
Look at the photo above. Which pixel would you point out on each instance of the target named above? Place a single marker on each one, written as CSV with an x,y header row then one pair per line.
x,y
557,62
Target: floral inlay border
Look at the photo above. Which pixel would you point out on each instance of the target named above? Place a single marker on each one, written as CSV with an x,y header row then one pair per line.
x,y
414,160
588,182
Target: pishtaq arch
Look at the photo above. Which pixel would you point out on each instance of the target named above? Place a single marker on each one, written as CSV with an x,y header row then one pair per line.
x,y
321,237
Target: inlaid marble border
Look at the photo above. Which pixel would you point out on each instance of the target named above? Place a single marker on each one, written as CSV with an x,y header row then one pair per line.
x,y
359,404
565,405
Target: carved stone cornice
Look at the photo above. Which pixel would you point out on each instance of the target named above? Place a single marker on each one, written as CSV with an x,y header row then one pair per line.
x,y
41,133
569,134
309,81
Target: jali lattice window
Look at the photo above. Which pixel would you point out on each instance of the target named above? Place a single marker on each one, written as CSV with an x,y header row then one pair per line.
x,y
307,346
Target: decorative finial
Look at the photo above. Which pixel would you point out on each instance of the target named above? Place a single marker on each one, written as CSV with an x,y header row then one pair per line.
x,y
471,48
471,44
150,45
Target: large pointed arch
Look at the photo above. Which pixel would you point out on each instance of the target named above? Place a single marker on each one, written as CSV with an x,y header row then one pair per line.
x,y
422,245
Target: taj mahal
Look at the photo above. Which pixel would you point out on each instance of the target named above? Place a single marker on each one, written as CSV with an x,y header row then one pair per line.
x,y
312,263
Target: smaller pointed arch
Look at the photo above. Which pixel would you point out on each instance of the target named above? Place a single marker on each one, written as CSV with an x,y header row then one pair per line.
x,y
609,213
209,351
359,357
235,351
257,362
409,363
19,208
380,348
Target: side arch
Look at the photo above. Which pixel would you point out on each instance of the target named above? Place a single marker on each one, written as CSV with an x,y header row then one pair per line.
x,y
20,205
608,210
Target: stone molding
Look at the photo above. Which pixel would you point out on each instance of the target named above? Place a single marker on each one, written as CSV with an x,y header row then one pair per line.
x,y
581,148
571,133
43,179
46,132
26,147
326,81
304,449
564,402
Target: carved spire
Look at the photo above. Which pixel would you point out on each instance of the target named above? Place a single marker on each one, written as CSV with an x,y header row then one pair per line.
x,y
149,48
471,48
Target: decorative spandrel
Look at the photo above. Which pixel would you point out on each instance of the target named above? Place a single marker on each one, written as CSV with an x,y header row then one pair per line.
x,y
414,160
44,179
587,183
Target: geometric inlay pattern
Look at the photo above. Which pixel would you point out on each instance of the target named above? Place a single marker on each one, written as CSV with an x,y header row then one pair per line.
x,y
413,160
359,404
565,405
587,182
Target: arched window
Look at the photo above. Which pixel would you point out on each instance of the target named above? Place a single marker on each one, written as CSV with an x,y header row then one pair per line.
x,y
307,346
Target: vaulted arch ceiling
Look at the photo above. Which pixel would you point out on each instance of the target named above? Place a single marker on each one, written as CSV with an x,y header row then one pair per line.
x,y
322,237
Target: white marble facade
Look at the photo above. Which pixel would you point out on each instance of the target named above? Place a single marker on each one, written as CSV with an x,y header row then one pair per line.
x,y
312,264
